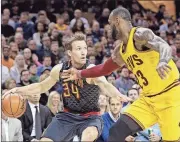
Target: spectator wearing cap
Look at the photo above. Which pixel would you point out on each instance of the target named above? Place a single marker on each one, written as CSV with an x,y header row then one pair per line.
x,y
6,60
28,27
46,64
19,65
7,30
77,15
25,78
33,73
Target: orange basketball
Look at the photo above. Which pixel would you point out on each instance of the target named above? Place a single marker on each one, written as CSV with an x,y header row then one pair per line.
x,y
13,105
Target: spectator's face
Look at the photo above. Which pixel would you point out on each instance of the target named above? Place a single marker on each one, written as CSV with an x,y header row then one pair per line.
x,y
115,106
79,23
77,13
14,50
34,98
104,40
32,45
6,51
106,12
91,51
42,19
125,73
24,18
46,72
25,76
177,43
12,84
95,26
3,41
5,20
133,94
47,61
20,60
40,27
92,60
78,53
19,30
27,53
102,100
55,99
163,9
6,12
88,31
89,41
18,39
60,21
46,41
33,69
111,79
55,49
55,32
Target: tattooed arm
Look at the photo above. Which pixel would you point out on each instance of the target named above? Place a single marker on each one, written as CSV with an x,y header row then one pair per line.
x,y
145,37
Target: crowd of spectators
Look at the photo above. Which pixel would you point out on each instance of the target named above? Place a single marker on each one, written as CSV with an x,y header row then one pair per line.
x,y
32,43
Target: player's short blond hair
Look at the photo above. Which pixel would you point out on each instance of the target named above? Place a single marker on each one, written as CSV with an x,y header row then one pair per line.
x,y
76,37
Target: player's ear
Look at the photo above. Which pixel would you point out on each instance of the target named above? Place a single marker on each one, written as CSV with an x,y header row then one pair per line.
x,y
69,53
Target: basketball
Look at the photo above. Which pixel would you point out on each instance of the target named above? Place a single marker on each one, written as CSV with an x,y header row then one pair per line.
x,y
13,105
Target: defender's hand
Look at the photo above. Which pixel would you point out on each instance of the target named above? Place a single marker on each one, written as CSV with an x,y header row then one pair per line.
x,y
71,74
163,68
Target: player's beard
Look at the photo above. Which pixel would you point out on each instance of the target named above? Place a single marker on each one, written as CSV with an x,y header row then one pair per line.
x,y
114,33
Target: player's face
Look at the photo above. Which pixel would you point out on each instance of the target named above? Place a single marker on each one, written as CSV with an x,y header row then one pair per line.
x,y
117,24
115,106
78,52
133,94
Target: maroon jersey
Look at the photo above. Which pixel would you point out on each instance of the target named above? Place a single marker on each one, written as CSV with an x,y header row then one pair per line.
x,y
79,96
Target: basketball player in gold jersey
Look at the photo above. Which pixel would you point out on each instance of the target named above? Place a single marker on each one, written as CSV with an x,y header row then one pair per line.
x,y
149,58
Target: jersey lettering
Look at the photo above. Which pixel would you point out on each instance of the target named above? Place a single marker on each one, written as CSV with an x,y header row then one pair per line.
x,y
133,60
139,75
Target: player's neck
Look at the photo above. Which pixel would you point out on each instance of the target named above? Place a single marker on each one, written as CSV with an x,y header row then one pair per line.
x,y
76,65
126,34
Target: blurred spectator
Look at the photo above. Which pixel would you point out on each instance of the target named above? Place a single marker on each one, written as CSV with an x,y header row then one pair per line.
x,y
35,119
6,60
20,41
32,46
33,73
92,59
155,135
123,83
19,65
40,32
78,26
54,103
3,40
55,56
14,50
5,73
96,33
6,12
134,95
10,84
42,17
60,25
89,41
91,51
178,64
177,44
24,78
27,56
77,15
111,117
46,64
160,14
103,19
11,129
111,79
7,30
103,103
28,27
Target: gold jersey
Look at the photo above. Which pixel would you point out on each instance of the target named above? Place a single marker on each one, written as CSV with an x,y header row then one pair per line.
x,y
143,65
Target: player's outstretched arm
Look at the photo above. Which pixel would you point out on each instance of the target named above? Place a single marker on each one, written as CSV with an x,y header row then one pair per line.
x,y
39,88
105,86
145,37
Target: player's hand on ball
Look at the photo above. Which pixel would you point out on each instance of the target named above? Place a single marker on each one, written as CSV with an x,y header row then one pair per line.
x,y
163,69
71,74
